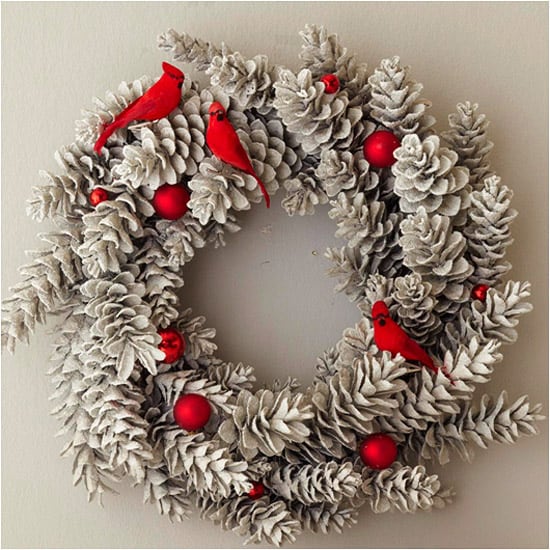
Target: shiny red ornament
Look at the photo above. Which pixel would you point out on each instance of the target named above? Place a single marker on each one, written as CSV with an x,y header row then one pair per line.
x,y
479,292
170,201
98,195
157,102
379,147
192,411
331,82
378,451
257,491
172,344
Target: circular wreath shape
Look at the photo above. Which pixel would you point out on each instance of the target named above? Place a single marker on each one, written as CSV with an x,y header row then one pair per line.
x,y
426,235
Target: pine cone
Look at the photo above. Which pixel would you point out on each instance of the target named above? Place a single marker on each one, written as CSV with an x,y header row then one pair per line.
x,y
327,482
199,339
343,171
493,420
404,488
497,317
322,53
169,494
356,342
365,224
379,287
303,194
205,464
468,137
248,81
216,189
116,424
161,283
80,159
283,414
415,309
108,232
426,176
47,283
152,162
261,520
180,239
122,328
488,232
187,49
436,253
396,102
63,199
378,251
346,405
322,121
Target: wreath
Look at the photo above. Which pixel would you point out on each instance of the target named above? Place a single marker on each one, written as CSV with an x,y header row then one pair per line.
x,y
425,223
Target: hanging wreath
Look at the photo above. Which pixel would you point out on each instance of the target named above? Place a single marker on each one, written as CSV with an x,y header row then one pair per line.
x,y
160,169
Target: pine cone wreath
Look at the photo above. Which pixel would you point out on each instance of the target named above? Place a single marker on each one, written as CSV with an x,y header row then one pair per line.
x,y
420,234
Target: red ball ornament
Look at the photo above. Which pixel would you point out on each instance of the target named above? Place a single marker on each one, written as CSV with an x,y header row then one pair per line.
x,y
192,411
331,82
257,491
170,201
98,195
378,451
379,147
172,344
479,292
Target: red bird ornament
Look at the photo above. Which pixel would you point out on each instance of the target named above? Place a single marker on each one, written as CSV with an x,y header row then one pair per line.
x,y
223,141
389,336
157,102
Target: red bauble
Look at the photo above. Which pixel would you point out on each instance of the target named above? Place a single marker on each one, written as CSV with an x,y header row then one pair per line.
x,y
378,451
98,195
170,201
192,411
479,292
257,491
331,82
172,344
379,147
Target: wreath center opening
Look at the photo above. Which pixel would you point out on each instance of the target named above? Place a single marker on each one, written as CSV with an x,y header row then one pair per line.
x,y
269,301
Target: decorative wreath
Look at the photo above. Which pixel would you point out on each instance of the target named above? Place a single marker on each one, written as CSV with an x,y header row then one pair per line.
x,y
425,223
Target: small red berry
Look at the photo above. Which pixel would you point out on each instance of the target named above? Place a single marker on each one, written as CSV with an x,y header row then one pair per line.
x,y
98,195
479,292
331,82
257,491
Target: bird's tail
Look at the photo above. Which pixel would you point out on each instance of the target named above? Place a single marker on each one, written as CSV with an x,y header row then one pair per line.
x,y
263,189
106,134
447,374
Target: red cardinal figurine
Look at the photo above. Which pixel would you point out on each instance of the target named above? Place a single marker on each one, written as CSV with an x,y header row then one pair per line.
x,y
389,336
226,145
157,102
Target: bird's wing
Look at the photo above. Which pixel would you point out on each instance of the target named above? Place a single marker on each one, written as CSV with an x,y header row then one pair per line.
x,y
413,351
224,142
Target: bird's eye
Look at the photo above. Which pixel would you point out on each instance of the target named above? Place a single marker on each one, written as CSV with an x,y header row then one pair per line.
x,y
381,322
180,84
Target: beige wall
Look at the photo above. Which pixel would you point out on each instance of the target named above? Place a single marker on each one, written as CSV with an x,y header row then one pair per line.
x,y
55,57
